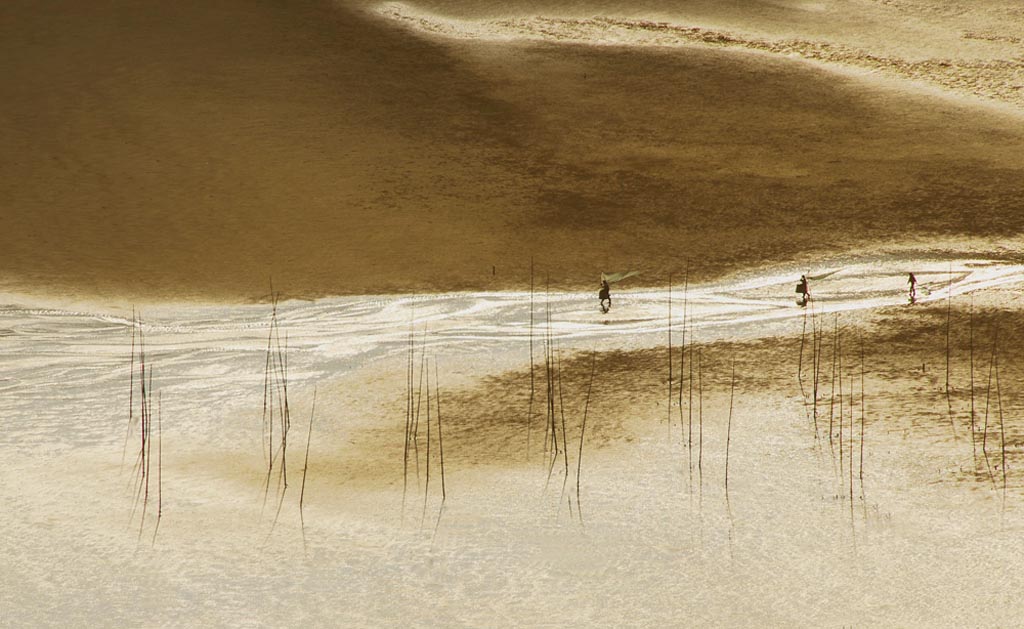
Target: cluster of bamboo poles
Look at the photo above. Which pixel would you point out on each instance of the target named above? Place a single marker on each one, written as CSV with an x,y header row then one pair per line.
x,y
416,388
276,412
993,370
691,382
277,422
556,435
972,414
846,380
986,456
690,355
143,483
843,392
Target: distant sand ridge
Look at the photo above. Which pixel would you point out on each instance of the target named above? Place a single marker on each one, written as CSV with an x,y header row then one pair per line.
x,y
997,78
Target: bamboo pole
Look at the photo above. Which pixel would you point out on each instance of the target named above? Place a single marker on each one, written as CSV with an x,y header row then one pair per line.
x,y
700,420
440,436
832,395
669,405
1002,432
159,466
682,349
426,487
689,414
419,402
842,416
583,432
949,311
561,412
131,392
800,360
529,412
862,412
305,468
409,371
988,397
728,431
816,364
850,442
974,445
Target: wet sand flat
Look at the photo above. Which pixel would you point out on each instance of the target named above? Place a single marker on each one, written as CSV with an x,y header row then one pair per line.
x,y
196,152
161,162
925,541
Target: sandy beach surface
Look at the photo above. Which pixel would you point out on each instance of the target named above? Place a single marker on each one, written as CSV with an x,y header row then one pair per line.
x,y
648,537
393,169
199,151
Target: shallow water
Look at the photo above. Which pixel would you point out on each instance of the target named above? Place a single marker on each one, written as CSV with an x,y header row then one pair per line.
x,y
64,375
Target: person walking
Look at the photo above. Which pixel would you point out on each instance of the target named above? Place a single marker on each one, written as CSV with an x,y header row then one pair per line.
x,y
804,292
605,295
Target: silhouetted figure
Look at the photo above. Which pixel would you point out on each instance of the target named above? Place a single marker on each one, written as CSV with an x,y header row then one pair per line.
x,y
605,295
803,291
913,287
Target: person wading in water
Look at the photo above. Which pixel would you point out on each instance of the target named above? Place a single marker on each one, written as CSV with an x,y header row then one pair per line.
x,y
803,291
913,287
605,295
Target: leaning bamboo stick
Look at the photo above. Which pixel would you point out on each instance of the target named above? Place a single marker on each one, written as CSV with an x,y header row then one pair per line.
x,y
159,466
974,445
409,377
419,402
682,347
842,416
988,397
700,426
862,412
440,435
426,488
529,411
815,362
949,311
131,392
850,442
1002,432
728,431
305,468
832,396
800,359
669,405
583,432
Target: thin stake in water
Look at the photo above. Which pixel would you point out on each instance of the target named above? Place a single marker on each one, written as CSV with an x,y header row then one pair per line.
x,y
949,310
974,445
700,424
669,405
440,437
728,431
682,349
305,468
583,432
529,412
988,397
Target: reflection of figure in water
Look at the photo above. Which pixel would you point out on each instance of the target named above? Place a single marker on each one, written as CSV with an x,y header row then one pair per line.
x,y
803,291
913,287
605,295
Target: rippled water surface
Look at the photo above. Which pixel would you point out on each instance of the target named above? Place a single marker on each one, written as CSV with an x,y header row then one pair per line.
x,y
64,375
